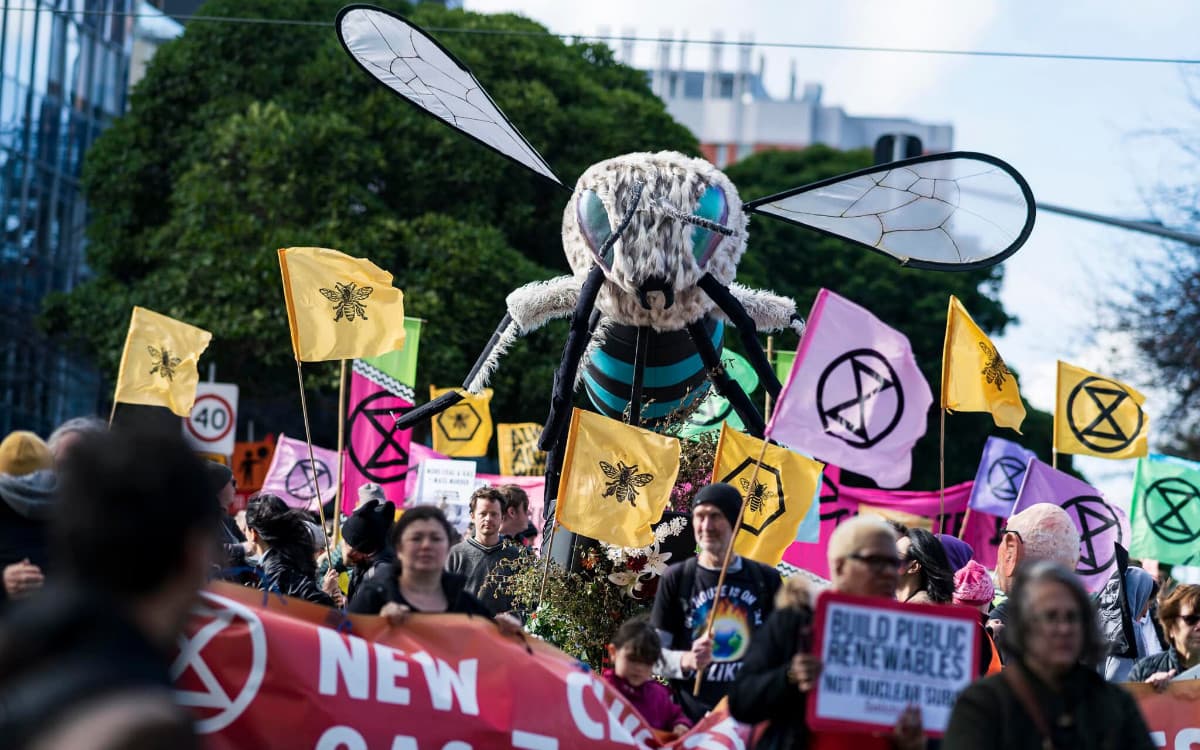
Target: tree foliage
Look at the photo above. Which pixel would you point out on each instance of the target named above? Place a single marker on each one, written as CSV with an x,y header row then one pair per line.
x,y
245,138
798,263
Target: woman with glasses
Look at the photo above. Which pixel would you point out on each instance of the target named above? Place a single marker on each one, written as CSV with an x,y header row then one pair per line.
x,y
1179,613
1049,695
780,669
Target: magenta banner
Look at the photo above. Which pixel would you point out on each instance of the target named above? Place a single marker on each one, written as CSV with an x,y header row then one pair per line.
x,y
839,502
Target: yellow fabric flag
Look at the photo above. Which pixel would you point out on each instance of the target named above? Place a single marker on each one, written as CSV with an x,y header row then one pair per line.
x,y
777,497
616,480
158,366
519,454
339,307
464,429
974,376
1098,416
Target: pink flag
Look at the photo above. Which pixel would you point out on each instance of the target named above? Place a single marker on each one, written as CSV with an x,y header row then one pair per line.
x,y
840,502
376,451
855,397
1101,525
296,479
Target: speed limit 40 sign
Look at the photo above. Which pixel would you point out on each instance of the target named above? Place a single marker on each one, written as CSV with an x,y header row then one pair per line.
x,y
212,425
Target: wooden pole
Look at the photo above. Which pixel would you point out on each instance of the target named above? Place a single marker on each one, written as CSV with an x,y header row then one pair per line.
x,y
546,567
337,497
770,359
941,469
712,612
312,460
966,517
112,413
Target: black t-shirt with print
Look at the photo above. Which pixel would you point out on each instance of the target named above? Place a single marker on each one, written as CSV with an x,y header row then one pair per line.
x,y
747,598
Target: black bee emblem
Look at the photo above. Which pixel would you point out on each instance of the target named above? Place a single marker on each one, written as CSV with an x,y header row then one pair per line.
x,y
995,370
757,494
347,300
460,421
164,363
625,481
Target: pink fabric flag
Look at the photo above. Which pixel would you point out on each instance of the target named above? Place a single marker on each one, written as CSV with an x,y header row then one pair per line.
x,y
1100,524
839,502
535,487
296,479
855,397
376,451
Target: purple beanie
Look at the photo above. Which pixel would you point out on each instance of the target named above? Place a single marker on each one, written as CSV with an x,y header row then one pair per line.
x,y
958,552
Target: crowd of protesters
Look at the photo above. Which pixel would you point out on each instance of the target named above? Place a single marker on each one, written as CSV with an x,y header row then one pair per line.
x,y
83,637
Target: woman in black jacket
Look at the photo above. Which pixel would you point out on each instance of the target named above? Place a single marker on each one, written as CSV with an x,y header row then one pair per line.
x,y
418,581
1179,613
282,539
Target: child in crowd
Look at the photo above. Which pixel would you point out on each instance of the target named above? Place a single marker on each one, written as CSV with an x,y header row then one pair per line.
x,y
634,650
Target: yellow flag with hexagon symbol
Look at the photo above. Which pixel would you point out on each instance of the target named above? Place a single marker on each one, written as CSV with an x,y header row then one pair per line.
x,y
339,307
777,496
158,366
616,480
464,429
974,376
1098,416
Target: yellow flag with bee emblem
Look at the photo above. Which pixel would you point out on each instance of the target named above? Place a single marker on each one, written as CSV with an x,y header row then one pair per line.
x,y
158,366
464,429
339,307
974,376
777,496
517,446
616,480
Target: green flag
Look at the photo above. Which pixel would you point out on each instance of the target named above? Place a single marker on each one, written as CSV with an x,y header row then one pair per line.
x,y
783,365
402,364
715,409
1166,510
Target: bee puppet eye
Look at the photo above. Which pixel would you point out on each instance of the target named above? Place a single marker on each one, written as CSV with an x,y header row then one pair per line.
x,y
594,223
713,207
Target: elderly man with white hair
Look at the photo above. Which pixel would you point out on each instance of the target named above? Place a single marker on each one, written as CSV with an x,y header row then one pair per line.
x,y
780,667
1042,531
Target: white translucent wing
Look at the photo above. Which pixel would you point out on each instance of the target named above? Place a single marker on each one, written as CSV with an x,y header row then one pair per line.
x,y
956,210
412,64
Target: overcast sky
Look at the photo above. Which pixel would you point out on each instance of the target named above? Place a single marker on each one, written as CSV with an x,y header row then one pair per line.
x,y
1084,133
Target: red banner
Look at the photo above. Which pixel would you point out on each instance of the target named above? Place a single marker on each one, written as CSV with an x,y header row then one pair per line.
x,y
1173,715
273,672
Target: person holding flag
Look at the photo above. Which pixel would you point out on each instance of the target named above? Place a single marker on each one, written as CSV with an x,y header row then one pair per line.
x,y
688,591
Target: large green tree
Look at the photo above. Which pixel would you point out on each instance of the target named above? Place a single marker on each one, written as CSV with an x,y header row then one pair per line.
x,y
798,262
244,138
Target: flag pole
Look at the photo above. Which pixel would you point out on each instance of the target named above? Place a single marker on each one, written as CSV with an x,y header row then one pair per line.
x,y
312,460
941,469
112,413
771,359
737,527
337,497
966,517
546,567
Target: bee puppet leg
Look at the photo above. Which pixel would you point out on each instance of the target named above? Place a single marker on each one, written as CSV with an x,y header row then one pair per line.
x,y
725,385
770,312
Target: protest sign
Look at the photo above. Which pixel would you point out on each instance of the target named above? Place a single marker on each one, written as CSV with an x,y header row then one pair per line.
x,y
448,484
442,681
1172,715
880,656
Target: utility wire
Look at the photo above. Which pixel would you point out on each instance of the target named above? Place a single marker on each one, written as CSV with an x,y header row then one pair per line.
x,y
656,39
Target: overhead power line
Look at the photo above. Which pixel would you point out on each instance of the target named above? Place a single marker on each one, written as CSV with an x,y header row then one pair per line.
x,y
1061,56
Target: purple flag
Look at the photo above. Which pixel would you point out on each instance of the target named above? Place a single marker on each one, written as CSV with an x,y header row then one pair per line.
x,y
998,479
855,397
296,479
1101,525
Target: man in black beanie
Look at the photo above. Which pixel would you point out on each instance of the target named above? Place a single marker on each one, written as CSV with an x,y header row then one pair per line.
x,y
686,595
364,536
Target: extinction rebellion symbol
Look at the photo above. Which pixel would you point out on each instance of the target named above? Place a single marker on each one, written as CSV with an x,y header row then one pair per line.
x,y
1096,518
1172,508
1112,405
859,398
377,414
303,479
1004,477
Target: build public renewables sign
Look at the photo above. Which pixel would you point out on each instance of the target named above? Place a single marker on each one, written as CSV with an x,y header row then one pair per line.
x,y
881,656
